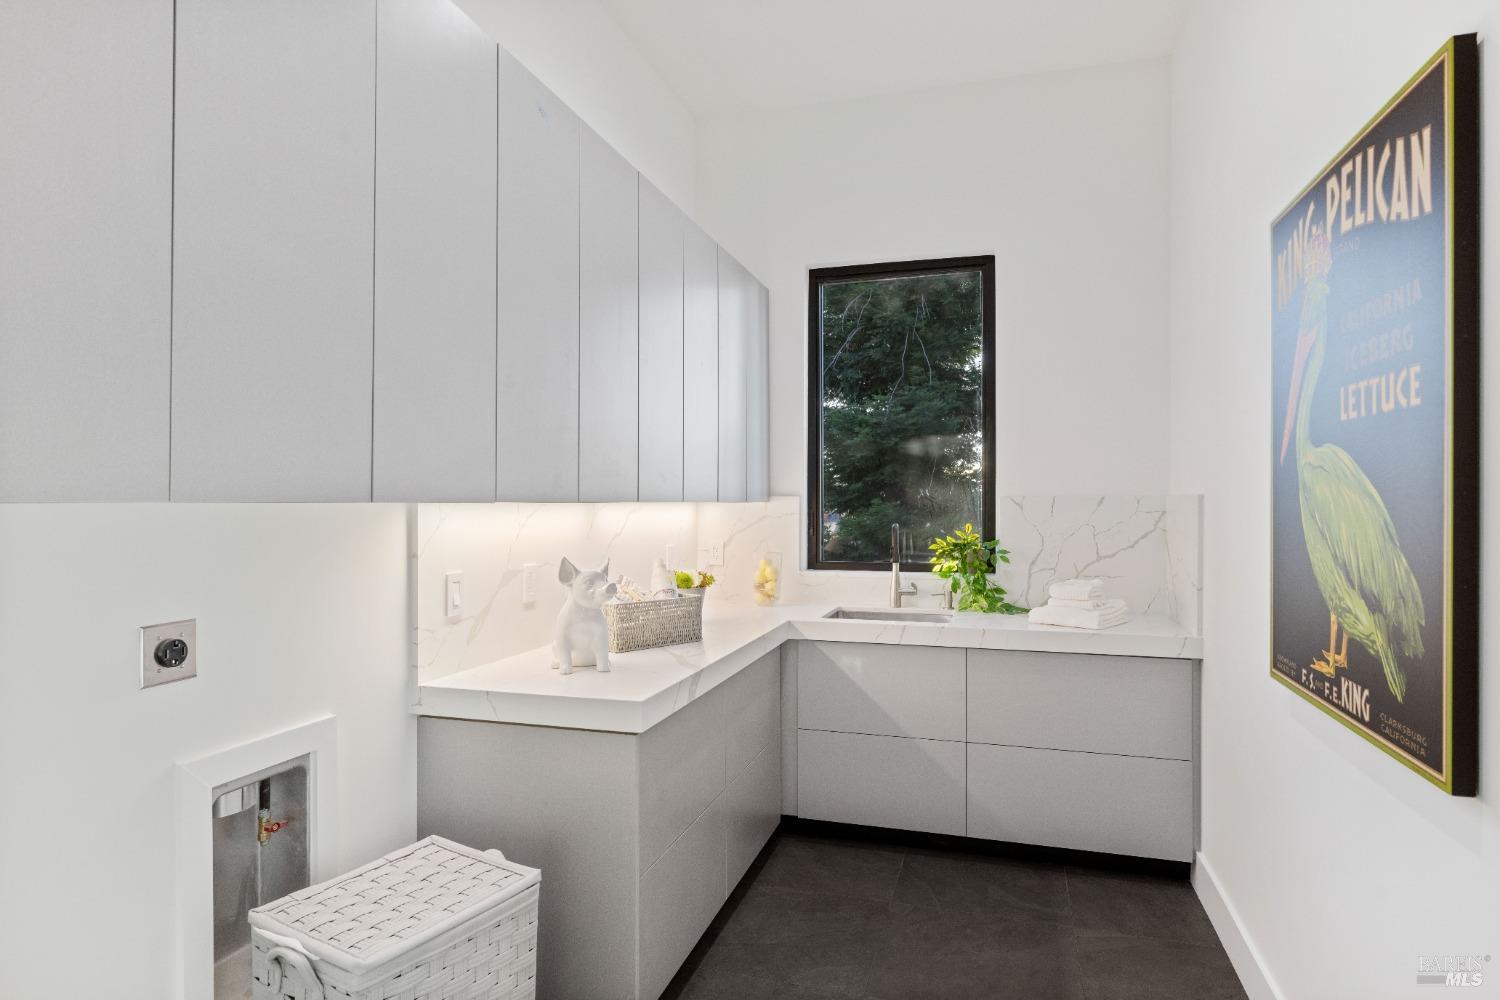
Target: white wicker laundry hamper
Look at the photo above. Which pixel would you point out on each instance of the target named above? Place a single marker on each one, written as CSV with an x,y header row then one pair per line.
x,y
433,921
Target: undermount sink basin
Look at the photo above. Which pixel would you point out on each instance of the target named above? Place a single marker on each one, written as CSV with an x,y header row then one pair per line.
x,y
890,615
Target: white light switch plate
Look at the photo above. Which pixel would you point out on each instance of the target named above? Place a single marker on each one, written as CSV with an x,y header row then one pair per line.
x,y
453,594
528,584
153,636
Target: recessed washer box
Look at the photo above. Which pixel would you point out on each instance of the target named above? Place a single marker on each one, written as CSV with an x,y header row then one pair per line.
x,y
169,652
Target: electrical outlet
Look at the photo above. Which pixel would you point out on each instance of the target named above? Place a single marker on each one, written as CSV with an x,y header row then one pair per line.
x,y
528,584
169,652
716,554
453,594
670,556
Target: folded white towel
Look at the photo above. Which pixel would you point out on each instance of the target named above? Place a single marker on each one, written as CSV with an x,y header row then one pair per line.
x,y
1093,604
1077,590
1113,613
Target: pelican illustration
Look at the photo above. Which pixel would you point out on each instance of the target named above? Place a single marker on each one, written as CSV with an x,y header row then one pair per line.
x,y
1356,557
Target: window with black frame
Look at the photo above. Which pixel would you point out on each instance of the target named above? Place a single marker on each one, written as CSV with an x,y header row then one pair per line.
x,y
901,414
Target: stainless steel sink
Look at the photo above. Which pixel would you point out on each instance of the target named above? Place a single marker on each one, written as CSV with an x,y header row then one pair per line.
x,y
890,615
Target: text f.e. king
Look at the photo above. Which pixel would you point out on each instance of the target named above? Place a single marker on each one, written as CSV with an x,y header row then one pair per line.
x,y
1390,184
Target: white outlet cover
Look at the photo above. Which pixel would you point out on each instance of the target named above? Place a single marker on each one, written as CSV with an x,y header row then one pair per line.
x,y
716,554
153,673
528,583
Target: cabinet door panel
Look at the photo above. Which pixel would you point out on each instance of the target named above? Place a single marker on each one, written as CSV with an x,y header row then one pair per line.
x,y
858,687
1104,704
735,316
661,359
434,255
700,366
752,706
679,896
608,318
681,772
85,250
536,407
758,397
754,809
888,781
1085,801
273,240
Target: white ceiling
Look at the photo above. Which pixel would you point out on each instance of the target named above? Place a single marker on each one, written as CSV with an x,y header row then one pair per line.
x,y
723,55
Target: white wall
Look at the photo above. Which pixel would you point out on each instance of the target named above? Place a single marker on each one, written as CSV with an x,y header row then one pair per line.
x,y
1063,177
579,50
1342,865
301,610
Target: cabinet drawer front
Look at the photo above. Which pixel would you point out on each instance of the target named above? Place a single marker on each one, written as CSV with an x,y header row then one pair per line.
x,y
754,809
1084,801
889,781
752,705
1061,701
679,896
681,772
849,687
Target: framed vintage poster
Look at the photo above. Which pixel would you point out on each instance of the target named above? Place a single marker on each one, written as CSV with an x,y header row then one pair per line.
x,y
1375,382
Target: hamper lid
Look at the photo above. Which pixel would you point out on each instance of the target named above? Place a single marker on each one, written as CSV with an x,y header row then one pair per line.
x,y
393,905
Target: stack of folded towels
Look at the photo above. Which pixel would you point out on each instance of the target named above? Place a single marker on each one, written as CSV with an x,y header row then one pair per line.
x,y
1079,604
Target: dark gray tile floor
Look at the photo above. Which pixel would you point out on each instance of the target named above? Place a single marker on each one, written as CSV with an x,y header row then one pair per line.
x,y
850,919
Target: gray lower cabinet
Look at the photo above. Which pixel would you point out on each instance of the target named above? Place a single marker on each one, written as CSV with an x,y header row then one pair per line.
x,y
1139,806
1085,752
1131,705
883,690
273,236
434,419
640,838
754,805
680,894
890,781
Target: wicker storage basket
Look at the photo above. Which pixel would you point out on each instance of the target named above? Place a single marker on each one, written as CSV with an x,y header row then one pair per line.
x,y
433,921
645,624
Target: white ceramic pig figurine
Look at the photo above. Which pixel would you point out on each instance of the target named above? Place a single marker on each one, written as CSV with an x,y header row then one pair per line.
x,y
582,638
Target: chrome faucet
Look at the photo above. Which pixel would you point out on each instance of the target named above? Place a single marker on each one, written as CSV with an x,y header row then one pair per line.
x,y
897,591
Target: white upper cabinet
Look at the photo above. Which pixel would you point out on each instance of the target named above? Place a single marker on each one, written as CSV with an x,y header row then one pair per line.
x,y
273,246
736,316
700,365
85,249
536,408
758,397
608,323
435,272
663,229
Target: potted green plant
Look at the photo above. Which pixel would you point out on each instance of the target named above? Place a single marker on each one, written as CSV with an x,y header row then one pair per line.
x,y
691,584
966,560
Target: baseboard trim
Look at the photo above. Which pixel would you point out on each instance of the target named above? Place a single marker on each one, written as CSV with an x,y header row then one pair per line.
x,y
1247,960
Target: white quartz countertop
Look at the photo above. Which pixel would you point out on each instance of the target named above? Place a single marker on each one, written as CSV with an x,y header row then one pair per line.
x,y
643,688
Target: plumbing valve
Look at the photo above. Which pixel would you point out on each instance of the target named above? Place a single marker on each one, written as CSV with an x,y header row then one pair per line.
x,y
267,826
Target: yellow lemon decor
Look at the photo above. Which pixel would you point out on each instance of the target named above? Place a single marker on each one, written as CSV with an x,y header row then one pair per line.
x,y
768,578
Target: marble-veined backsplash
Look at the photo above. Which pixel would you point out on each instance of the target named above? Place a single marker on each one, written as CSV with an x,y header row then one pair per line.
x,y
1145,547
491,544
